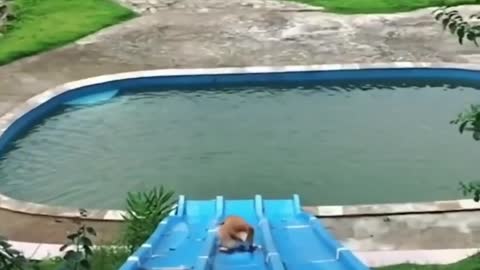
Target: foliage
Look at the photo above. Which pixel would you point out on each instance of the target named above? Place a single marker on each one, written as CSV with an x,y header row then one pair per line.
x,y
79,246
382,6
104,258
471,189
45,24
469,120
11,259
458,25
109,258
145,210
7,15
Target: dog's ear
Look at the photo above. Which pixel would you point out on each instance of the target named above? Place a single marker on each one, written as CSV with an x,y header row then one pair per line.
x,y
243,236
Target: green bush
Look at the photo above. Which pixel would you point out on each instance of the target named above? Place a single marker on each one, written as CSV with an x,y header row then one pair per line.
x,y
79,246
11,259
104,258
145,210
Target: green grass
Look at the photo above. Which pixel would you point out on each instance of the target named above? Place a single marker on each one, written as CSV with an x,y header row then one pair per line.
x,y
382,6
103,259
471,263
108,259
46,24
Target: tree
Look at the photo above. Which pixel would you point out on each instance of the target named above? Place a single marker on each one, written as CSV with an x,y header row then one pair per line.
x,y
452,20
469,120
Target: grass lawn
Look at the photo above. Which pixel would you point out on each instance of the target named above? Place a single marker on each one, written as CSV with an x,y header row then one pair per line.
x,y
46,24
472,263
105,259
381,6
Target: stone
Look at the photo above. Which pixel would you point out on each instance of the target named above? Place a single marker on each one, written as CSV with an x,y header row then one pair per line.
x,y
244,4
142,9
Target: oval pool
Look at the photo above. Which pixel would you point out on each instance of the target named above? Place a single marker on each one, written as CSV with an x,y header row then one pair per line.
x,y
371,140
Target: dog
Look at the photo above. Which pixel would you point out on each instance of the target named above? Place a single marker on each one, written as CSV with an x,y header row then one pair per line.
x,y
235,233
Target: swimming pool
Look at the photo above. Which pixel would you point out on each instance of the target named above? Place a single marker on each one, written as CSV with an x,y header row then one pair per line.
x,y
367,138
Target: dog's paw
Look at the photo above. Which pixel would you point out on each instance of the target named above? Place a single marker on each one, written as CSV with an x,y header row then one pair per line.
x,y
255,247
223,249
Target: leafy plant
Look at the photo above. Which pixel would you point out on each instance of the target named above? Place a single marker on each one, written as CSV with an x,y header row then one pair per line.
x,y
109,258
458,25
472,188
145,210
469,120
104,258
7,15
12,259
79,246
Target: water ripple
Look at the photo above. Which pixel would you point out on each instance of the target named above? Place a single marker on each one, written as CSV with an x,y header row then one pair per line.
x,y
332,144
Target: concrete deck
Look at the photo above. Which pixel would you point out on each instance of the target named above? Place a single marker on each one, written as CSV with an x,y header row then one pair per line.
x,y
381,233
408,232
204,34
237,36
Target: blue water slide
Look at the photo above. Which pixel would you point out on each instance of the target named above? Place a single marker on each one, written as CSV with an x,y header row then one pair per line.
x,y
180,241
302,241
251,211
290,239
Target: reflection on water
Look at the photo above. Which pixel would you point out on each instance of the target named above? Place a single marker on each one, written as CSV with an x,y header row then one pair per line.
x,y
332,145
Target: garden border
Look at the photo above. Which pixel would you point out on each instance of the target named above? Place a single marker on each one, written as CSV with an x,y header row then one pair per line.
x,y
8,119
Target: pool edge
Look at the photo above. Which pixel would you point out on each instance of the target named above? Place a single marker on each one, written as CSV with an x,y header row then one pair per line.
x,y
358,210
29,208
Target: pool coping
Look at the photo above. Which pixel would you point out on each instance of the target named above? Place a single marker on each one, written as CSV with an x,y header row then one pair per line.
x,y
14,205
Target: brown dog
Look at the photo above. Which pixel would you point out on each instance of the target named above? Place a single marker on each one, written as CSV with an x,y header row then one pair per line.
x,y
235,232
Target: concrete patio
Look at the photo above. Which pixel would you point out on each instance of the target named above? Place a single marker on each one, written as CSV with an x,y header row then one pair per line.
x,y
207,34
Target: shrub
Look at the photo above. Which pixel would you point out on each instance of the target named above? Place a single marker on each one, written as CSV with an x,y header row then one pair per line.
x,y
79,246
469,120
145,210
11,259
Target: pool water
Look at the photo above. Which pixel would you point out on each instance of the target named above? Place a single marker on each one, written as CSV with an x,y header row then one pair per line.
x,y
330,144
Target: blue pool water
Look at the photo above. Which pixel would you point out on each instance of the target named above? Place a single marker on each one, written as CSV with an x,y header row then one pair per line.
x,y
368,143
